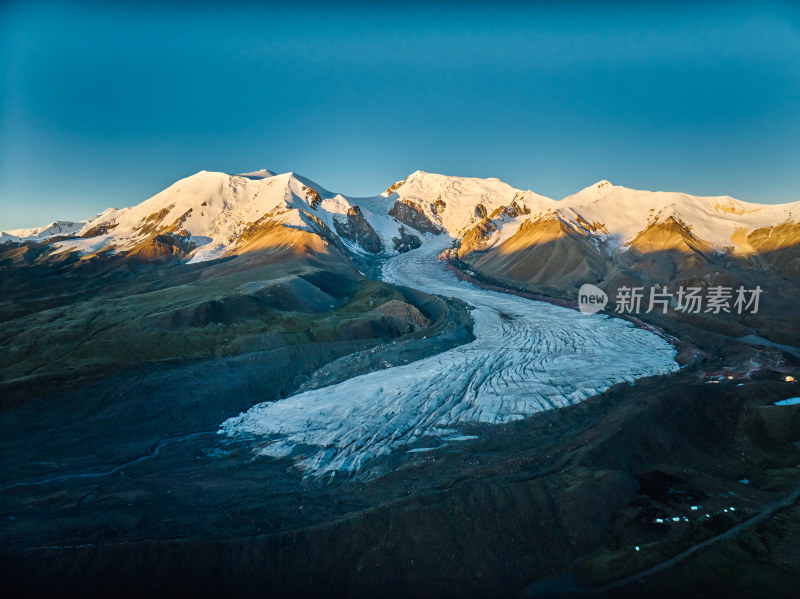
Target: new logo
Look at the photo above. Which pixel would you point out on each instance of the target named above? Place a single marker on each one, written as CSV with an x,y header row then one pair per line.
x,y
591,299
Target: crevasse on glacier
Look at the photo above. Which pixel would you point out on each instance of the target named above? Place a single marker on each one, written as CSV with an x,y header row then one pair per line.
x,y
534,357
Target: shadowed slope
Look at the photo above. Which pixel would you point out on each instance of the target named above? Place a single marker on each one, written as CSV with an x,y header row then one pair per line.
x,y
547,253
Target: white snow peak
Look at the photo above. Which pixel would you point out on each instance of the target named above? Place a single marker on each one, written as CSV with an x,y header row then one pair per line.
x,y
214,208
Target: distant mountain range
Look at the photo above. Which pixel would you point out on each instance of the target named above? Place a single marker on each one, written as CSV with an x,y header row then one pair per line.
x,y
599,234
605,234
210,215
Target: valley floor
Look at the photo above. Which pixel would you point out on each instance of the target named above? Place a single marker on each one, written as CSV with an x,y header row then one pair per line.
x,y
122,485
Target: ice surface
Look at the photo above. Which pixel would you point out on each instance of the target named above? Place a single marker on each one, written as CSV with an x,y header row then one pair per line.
x,y
534,357
85,246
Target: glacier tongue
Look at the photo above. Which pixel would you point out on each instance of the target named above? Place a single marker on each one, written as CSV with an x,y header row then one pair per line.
x,y
527,357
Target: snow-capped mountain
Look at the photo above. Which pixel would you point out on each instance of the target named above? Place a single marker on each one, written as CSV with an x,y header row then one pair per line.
x,y
212,214
617,215
453,204
721,221
58,227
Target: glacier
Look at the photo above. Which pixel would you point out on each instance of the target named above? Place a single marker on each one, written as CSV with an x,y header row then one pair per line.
x,y
527,356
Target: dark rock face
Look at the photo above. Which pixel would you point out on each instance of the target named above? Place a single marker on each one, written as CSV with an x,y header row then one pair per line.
x,y
513,210
313,197
399,317
409,214
359,231
100,229
406,241
475,238
163,248
321,229
394,187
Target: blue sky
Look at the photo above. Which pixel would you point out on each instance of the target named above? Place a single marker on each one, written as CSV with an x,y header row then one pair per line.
x,y
107,105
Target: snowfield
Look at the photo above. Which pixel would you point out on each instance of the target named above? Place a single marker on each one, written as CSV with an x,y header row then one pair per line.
x,y
527,357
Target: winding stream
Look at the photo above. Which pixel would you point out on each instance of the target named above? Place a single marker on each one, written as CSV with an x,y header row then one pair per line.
x,y
156,448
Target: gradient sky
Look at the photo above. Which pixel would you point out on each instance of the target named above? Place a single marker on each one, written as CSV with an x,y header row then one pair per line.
x,y
106,105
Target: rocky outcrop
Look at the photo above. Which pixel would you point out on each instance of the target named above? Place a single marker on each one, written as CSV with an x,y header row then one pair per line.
x,y
153,222
394,187
406,241
475,239
313,196
513,210
324,231
163,248
399,317
100,229
408,213
359,231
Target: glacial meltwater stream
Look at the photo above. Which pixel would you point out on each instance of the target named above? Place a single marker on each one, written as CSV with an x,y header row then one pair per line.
x,y
527,356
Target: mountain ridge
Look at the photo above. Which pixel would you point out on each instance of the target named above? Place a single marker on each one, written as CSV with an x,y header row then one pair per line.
x,y
205,215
